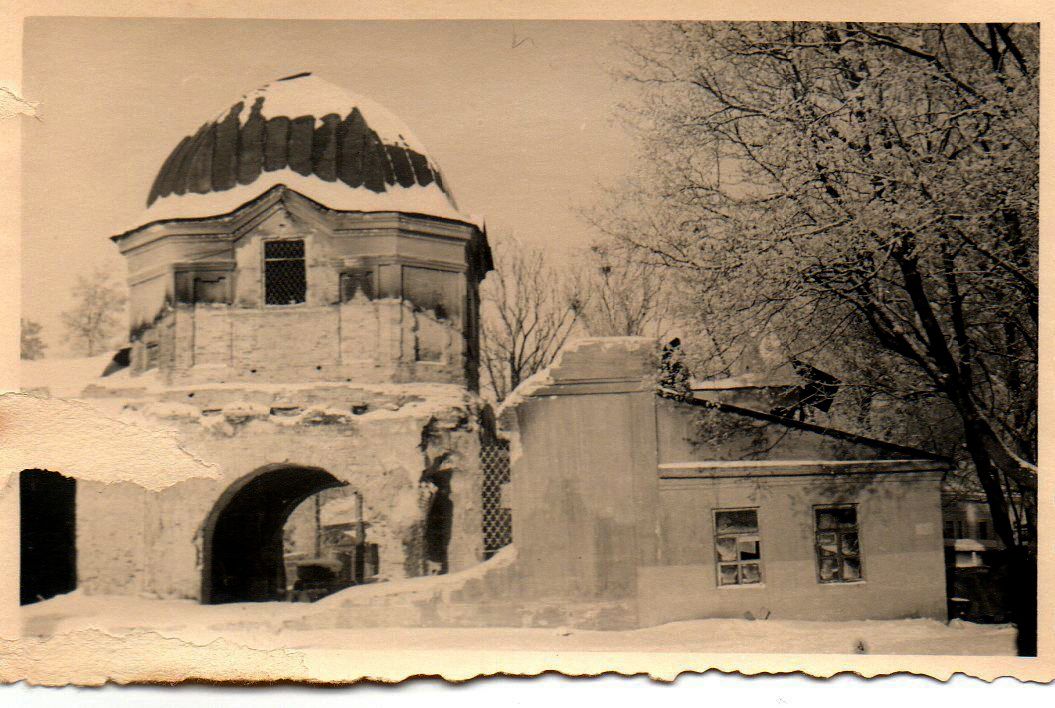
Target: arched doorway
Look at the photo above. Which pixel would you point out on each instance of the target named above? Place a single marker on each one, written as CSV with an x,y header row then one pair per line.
x,y
243,551
48,562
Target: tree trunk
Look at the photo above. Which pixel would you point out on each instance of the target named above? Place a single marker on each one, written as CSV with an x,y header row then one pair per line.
x,y
1019,559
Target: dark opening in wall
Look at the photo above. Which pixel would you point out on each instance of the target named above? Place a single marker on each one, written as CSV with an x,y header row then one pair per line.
x,y
285,277
244,534
359,280
48,563
204,284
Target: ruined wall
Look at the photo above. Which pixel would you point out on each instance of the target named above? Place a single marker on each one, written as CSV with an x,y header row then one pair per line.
x,y
378,440
362,341
413,326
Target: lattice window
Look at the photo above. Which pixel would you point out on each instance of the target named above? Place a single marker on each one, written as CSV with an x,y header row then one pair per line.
x,y
285,276
838,544
497,520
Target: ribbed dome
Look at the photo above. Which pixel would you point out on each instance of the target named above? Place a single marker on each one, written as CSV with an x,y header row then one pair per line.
x,y
335,147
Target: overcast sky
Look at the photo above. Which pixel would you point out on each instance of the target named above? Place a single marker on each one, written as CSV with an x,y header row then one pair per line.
x,y
521,116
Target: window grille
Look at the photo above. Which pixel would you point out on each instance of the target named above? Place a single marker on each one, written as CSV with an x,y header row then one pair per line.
x,y
285,278
738,550
838,544
497,521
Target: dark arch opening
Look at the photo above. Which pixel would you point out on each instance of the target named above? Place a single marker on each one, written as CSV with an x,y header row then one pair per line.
x,y
48,528
243,550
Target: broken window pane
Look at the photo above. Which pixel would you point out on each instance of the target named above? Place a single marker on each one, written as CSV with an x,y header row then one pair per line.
x,y
750,573
838,544
727,574
737,546
826,519
828,544
850,545
845,517
726,546
741,521
748,549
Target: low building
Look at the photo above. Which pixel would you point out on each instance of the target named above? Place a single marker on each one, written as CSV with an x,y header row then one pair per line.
x,y
669,508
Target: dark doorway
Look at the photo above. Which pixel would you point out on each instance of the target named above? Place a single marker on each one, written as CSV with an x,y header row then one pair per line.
x,y
49,531
243,536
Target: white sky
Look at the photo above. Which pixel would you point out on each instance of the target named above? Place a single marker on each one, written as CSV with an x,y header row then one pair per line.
x,y
525,134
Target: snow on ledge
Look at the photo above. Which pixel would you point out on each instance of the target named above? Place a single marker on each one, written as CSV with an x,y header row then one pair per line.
x,y
543,378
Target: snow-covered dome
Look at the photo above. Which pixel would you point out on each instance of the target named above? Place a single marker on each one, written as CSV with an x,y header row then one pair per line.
x,y
342,150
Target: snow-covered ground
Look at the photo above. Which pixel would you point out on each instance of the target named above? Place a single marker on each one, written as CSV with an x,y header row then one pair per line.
x,y
259,626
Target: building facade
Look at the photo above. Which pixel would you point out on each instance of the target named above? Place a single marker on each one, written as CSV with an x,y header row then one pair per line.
x,y
304,316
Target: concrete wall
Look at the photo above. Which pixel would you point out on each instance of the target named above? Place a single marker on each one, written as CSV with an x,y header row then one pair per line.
x,y
607,505
583,498
131,540
901,549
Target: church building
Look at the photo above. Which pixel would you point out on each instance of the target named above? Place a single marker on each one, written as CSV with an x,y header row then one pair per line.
x,y
304,313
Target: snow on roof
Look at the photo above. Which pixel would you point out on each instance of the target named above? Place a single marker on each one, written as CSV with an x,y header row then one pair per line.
x,y
333,195
544,377
335,147
308,95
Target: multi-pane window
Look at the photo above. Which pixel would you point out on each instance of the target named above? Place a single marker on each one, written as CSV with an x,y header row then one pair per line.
x,y
738,552
838,544
285,279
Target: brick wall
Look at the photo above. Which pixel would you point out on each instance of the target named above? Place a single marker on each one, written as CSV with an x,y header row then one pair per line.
x,y
134,541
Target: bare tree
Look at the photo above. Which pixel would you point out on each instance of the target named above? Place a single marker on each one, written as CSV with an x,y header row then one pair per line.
x,y
869,193
628,296
93,323
529,310
32,345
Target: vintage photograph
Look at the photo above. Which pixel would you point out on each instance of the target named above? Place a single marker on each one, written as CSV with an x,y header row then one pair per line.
x,y
549,336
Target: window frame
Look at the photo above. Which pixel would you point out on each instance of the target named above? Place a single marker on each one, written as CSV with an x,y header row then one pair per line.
x,y
840,580
718,562
184,277
264,260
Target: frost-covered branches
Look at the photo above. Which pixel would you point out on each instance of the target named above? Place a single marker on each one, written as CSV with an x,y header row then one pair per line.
x,y
93,322
628,296
529,310
868,194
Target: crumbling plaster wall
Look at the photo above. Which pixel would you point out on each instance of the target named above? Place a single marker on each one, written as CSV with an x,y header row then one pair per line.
x,y
134,541
386,339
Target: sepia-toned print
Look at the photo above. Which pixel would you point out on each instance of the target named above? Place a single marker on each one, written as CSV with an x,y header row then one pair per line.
x,y
666,338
